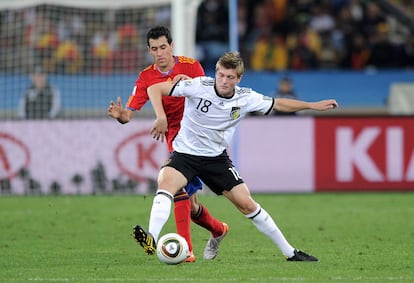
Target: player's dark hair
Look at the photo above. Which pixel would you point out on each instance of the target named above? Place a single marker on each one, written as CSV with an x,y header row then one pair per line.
x,y
231,60
157,32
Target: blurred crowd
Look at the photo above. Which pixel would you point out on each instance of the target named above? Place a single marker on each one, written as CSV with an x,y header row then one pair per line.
x,y
273,35
72,40
303,34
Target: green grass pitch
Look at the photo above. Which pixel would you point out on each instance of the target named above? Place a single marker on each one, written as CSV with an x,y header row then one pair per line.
x,y
358,237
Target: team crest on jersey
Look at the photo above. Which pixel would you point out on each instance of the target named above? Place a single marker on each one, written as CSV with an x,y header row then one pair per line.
x,y
188,82
235,113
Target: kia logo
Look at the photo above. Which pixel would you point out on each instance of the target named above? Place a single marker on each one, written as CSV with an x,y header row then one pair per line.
x,y
140,157
14,155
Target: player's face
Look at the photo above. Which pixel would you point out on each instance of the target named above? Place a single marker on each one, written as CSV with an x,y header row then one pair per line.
x,y
226,81
39,80
162,53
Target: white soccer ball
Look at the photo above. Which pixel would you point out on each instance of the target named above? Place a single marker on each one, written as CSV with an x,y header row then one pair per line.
x,y
172,249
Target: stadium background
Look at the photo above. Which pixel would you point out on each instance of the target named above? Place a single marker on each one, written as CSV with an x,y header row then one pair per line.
x,y
92,52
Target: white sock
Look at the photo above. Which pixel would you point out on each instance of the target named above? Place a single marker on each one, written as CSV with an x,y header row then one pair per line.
x,y
160,212
265,224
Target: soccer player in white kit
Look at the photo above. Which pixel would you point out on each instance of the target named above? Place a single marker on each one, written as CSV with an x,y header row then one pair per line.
x,y
213,108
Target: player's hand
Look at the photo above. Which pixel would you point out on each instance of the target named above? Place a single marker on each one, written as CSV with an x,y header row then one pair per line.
x,y
159,129
324,105
180,77
115,109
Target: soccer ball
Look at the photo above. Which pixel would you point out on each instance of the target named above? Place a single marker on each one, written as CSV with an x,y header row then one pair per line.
x,y
172,249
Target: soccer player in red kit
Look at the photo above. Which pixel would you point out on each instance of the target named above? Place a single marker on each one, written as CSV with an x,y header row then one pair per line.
x,y
166,66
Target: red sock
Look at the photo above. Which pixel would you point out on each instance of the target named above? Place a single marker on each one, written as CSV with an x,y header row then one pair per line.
x,y
206,220
182,210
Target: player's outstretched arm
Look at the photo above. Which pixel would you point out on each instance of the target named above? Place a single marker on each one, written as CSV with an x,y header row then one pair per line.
x,y
155,93
116,111
293,105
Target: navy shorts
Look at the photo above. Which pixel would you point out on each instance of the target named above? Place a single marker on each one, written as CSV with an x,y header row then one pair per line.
x,y
218,172
193,186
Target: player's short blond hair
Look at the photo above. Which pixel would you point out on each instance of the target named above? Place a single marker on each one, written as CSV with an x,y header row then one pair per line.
x,y
231,60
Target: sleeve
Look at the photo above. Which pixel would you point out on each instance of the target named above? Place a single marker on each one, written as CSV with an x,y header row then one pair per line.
x,y
139,95
186,87
260,103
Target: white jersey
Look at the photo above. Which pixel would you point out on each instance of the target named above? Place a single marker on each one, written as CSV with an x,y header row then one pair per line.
x,y
209,120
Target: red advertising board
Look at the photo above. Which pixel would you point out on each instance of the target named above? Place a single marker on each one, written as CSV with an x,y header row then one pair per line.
x,y
364,154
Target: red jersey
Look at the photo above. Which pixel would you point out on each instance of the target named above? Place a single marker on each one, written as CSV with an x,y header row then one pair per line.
x,y
173,106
